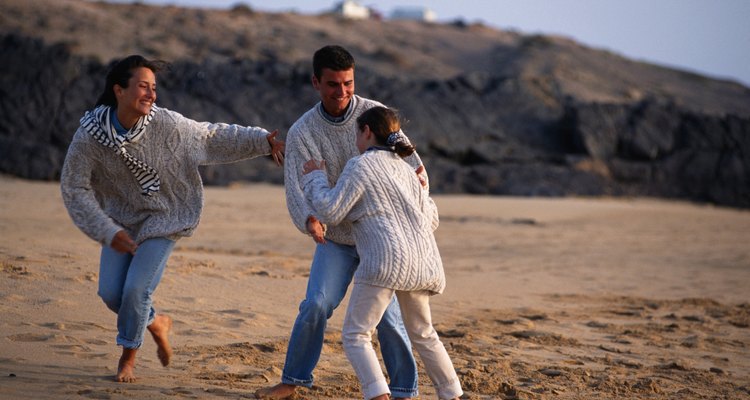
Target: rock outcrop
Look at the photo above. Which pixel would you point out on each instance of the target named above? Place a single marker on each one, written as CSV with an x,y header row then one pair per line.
x,y
538,116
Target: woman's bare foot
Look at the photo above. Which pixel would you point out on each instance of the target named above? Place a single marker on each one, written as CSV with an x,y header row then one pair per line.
x,y
126,366
280,391
160,331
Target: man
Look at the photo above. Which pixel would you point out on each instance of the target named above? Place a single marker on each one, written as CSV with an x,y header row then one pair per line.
x,y
328,132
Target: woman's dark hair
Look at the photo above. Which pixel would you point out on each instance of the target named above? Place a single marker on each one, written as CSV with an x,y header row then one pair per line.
x,y
333,57
383,122
120,73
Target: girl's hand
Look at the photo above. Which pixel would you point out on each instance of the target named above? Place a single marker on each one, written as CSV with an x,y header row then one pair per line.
x,y
316,229
313,165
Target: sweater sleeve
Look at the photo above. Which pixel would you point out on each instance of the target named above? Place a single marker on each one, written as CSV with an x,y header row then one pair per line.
x,y
332,205
79,198
296,155
220,143
429,208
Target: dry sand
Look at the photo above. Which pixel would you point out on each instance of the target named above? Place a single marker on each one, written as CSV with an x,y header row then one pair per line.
x,y
546,299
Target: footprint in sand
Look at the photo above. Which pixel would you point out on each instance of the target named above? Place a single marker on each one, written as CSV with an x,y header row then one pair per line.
x,y
30,337
79,351
72,326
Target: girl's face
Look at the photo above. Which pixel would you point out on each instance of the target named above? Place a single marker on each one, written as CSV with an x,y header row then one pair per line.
x,y
136,100
365,139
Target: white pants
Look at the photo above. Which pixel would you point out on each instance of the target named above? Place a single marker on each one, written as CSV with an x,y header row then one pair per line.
x,y
366,306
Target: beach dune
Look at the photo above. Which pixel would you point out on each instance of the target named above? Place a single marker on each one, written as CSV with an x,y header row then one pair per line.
x,y
565,298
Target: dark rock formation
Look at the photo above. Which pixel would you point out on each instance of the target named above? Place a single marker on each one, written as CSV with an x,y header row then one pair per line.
x,y
538,116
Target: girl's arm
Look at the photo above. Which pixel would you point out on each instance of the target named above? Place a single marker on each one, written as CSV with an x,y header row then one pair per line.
x,y
332,205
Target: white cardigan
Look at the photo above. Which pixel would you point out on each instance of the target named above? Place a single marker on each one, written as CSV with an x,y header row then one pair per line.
x,y
392,217
313,136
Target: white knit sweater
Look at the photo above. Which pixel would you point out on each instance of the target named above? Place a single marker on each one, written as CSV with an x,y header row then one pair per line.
x,y
392,216
103,197
313,136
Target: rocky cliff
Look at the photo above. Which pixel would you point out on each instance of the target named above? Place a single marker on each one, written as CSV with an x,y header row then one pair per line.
x,y
491,112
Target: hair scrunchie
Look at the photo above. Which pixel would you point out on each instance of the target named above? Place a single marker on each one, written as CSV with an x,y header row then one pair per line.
x,y
397,138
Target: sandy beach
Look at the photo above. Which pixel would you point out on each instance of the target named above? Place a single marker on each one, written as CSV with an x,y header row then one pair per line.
x,y
572,298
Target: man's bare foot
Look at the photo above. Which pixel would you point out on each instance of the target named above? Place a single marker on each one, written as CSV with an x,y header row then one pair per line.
x,y
126,366
280,391
160,331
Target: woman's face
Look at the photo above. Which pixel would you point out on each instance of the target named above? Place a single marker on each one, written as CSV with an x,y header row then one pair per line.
x,y
136,99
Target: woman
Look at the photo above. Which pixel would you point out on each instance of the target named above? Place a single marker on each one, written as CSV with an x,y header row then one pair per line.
x,y
393,219
130,181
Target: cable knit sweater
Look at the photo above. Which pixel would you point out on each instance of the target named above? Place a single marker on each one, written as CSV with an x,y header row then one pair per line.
x,y
103,197
313,136
392,216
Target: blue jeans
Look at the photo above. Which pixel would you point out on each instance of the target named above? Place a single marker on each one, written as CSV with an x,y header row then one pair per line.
x,y
126,283
331,273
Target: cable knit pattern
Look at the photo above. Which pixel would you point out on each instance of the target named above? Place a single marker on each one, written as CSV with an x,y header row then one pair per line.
x,y
103,197
392,218
314,137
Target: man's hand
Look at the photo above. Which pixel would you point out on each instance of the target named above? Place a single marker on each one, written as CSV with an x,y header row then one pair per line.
x,y
316,229
420,175
123,243
277,147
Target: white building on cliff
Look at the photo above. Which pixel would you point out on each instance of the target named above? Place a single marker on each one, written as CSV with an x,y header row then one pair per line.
x,y
414,13
351,9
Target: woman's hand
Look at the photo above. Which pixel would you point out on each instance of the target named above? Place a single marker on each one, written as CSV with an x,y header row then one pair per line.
x,y
313,165
123,243
277,147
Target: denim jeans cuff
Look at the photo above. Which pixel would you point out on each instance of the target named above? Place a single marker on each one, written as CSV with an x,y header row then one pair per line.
x,y
128,344
403,392
288,380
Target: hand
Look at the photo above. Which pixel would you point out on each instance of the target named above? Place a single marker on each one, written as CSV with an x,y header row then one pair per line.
x,y
420,172
123,243
316,229
313,165
277,147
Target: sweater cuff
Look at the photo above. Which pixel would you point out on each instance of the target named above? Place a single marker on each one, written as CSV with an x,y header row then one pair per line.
x,y
110,235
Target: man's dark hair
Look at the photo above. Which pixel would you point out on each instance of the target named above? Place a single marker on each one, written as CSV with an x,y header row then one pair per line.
x,y
333,57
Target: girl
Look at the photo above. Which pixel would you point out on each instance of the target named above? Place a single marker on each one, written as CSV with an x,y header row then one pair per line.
x,y
130,181
393,220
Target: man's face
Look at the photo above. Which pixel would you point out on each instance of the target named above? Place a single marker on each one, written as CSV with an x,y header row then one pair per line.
x,y
336,89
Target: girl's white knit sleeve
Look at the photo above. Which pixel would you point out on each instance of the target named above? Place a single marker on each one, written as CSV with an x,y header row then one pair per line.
x,y
332,205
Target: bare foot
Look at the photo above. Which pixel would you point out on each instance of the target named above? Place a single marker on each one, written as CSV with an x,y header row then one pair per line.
x,y
160,331
280,391
126,366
